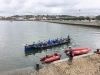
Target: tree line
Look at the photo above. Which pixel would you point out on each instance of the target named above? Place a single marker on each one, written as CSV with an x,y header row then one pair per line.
x,y
54,17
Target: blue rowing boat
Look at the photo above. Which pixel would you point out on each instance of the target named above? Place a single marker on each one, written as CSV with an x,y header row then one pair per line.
x,y
44,45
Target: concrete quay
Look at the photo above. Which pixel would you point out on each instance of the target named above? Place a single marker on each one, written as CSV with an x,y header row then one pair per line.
x,y
75,22
82,65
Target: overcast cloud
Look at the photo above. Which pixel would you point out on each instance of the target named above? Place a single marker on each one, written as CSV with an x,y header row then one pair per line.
x,y
50,7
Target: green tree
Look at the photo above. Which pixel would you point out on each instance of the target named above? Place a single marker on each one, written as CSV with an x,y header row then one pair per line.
x,y
98,17
87,18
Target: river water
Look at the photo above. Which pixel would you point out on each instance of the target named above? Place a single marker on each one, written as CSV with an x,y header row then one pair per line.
x,y
14,34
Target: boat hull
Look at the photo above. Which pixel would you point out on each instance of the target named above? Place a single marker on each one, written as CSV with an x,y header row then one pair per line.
x,y
30,47
54,58
49,56
79,51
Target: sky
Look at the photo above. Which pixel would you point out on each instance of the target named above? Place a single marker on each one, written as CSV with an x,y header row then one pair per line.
x,y
50,7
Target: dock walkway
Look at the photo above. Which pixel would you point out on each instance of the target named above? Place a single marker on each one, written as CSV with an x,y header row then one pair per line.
x,y
80,23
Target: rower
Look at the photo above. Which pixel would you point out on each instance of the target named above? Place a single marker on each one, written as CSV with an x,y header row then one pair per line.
x,y
61,40
53,41
57,40
33,44
45,43
39,44
49,41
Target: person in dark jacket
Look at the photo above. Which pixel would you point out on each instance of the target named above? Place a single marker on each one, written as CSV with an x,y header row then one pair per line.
x,y
70,52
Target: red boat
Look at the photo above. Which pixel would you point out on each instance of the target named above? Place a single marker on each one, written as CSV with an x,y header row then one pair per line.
x,y
78,51
53,58
49,55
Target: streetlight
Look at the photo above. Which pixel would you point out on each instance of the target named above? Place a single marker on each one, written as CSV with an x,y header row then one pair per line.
x,y
79,12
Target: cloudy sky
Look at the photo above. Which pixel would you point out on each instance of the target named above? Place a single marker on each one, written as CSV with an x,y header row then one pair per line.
x,y
50,7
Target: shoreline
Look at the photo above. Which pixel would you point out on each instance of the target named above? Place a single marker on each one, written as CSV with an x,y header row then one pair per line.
x,y
80,23
87,64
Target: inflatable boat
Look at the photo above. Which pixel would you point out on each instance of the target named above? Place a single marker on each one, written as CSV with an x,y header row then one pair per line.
x,y
79,51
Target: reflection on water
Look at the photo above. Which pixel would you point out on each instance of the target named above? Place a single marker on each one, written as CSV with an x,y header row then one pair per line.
x,y
33,52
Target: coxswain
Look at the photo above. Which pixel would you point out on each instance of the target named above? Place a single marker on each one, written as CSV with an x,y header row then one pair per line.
x,y
68,37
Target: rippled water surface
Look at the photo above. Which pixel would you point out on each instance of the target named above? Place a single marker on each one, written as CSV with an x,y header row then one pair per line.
x,y
14,34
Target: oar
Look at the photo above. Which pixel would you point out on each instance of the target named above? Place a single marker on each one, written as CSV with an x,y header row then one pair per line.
x,y
39,47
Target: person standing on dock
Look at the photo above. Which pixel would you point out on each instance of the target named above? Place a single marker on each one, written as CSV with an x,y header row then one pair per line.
x,y
71,54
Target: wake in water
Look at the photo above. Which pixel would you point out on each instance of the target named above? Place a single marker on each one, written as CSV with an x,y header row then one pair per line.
x,y
73,44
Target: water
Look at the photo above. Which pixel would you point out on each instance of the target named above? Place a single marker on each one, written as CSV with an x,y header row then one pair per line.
x,y
14,34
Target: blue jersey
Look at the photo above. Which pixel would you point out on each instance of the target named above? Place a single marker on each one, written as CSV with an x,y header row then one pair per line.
x,y
61,40
54,42
48,41
45,44
39,44
51,42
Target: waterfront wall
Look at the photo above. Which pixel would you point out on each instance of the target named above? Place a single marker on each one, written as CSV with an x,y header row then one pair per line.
x,y
75,22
